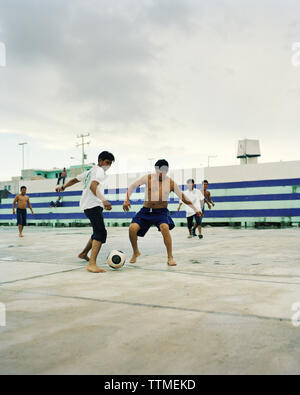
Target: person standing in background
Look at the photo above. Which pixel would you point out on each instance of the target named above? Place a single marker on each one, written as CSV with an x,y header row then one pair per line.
x,y
22,200
62,176
197,198
207,195
207,200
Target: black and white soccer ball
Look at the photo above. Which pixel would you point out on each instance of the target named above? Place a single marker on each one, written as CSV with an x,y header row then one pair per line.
x,y
116,259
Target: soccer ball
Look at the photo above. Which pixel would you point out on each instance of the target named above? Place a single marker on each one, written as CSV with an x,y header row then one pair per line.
x,y
116,259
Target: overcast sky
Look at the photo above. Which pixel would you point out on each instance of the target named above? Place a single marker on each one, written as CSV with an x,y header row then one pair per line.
x,y
174,79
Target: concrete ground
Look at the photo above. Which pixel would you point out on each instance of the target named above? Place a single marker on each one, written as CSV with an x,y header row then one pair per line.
x,y
225,309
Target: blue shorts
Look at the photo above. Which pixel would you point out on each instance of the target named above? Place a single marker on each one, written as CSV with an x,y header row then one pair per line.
x,y
21,216
147,217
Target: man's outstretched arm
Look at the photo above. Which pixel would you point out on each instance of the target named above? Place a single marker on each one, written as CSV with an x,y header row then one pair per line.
x,y
73,181
133,187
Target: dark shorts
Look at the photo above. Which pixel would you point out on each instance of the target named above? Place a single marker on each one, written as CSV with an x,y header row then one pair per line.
x,y
198,220
21,216
147,217
191,219
96,218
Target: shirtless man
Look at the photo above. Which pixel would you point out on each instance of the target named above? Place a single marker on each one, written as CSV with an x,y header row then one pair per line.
x,y
207,200
207,195
155,211
22,201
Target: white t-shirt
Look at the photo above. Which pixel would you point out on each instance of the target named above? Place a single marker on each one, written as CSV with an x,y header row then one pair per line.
x,y
88,199
196,197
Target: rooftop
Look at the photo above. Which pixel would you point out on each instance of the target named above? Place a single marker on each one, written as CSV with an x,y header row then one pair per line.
x,y
226,307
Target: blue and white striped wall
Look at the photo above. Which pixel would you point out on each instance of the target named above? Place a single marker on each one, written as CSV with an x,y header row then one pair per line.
x,y
245,202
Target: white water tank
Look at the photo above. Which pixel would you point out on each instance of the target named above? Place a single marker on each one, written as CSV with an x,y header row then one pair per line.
x,y
248,151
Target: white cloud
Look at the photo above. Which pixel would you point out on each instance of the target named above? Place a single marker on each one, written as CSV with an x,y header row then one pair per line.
x,y
149,78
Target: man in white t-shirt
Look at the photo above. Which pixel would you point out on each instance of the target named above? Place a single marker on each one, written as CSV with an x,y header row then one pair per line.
x,y
197,198
93,202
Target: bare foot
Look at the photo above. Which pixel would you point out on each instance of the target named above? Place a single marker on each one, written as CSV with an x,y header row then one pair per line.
x,y
21,235
94,269
171,262
83,256
134,257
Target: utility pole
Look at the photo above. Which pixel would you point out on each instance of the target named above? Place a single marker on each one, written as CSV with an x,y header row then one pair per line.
x,y
82,144
22,144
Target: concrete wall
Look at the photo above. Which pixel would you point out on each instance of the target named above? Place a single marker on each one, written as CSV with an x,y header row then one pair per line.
x,y
253,172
